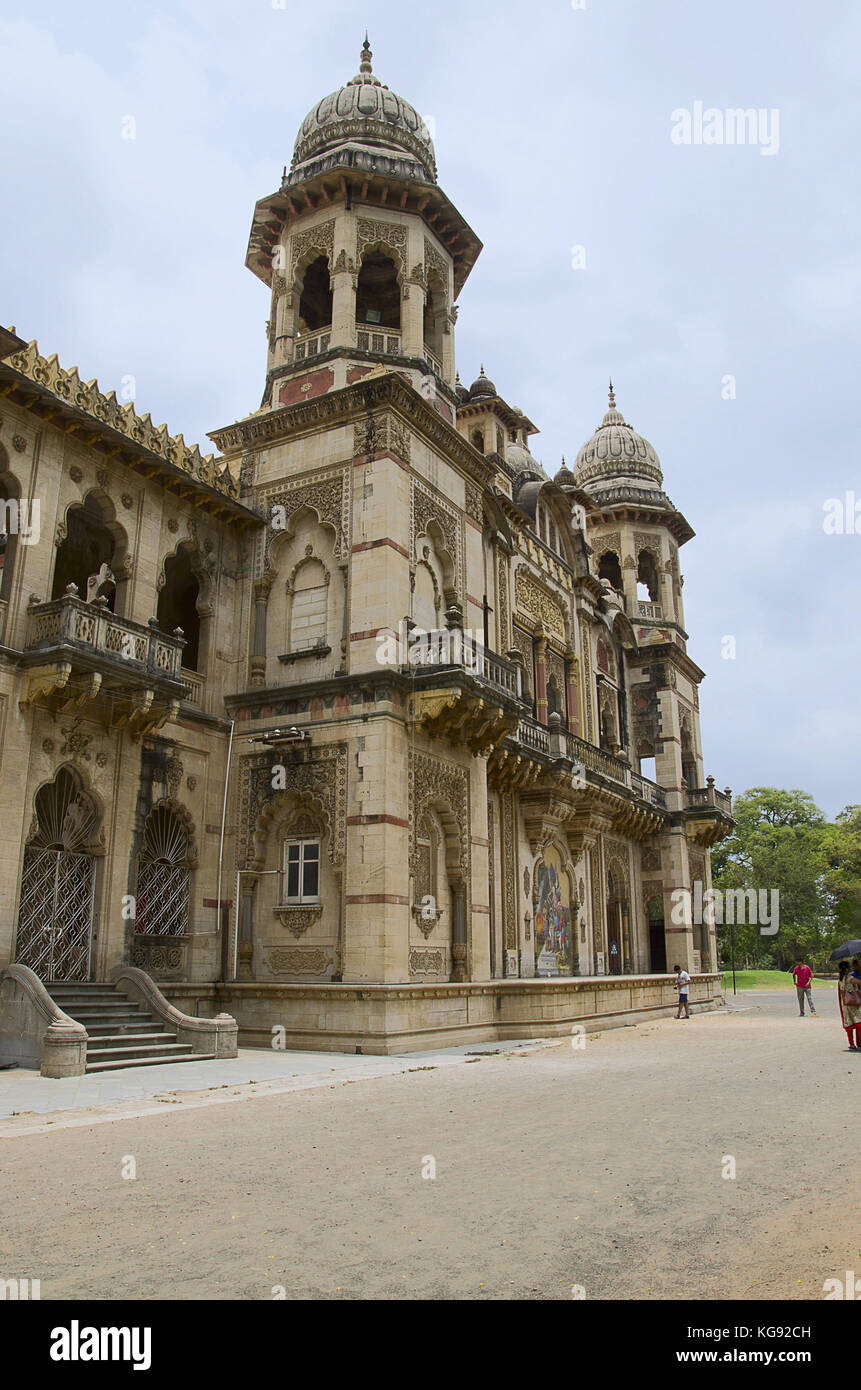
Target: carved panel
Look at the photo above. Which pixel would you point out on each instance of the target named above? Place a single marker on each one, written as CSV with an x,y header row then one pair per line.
x,y
298,960
377,433
586,644
509,872
320,773
388,235
320,239
644,540
472,503
611,541
538,603
427,507
298,919
435,261
327,493
503,627
427,962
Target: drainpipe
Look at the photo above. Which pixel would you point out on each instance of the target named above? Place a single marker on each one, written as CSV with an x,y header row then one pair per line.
x,y
221,843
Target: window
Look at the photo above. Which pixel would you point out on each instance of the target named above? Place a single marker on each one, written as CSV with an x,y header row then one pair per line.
x,y
308,616
302,871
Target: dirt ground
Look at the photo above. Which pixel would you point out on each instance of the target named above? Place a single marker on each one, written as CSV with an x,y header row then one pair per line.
x,y
598,1167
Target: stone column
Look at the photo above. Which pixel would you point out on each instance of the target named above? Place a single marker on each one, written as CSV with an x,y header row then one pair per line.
x,y
257,663
343,285
541,676
246,928
459,971
412,318
572,693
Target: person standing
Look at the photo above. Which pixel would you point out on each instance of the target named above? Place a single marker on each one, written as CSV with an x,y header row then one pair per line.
x,y
802,975
852,1003
683,980
842,976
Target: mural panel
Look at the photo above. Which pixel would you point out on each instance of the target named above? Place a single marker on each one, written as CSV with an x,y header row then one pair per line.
x,y
553,948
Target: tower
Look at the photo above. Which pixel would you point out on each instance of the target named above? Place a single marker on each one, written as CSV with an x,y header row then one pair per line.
x,y
362,251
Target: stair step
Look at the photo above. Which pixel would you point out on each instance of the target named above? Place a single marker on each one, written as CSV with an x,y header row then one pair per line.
x,y
105,1014
126,1040
151,1061
158,1050
122,1029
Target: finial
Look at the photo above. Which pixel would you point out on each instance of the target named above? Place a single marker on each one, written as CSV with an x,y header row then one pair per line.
x,y
366,56
612,396
563,460
482,369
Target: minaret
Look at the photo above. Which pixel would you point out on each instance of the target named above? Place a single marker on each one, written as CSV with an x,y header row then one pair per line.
x,y
362,251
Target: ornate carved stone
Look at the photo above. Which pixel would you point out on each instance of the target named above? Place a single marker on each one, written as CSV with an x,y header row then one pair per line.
x,y
128,501
427,508
329,496
320,239
391,238
298,919
172,525
76,474
531,598
472,503
298,960
318,774
426,962
19,443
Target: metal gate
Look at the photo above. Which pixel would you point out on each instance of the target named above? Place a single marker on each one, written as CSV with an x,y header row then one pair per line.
x,y
55,917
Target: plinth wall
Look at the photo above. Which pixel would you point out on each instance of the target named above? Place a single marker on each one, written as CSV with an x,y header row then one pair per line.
x,y
389,1019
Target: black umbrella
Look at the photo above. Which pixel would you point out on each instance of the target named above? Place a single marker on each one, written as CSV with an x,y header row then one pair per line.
x,y
849,948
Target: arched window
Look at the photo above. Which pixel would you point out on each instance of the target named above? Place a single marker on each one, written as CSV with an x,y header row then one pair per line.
x,y
88,544
177,605
648,585
689,757
425,600
164,876
476,439
610,568
433,315
552,698
308,611
11,523
378,294
315,303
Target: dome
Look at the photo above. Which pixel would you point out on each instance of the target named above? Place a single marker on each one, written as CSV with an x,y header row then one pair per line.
x,y
482,386
565,478
616,454
365,112
460,389
520,461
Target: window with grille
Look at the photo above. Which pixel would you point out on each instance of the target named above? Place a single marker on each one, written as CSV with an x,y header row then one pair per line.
x,y
164,878
301,871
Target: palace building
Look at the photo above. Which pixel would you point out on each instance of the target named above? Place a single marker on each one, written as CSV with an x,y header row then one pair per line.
x,y
365,728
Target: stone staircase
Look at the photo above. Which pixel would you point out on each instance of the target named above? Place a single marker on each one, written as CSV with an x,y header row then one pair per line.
x,y
121,1033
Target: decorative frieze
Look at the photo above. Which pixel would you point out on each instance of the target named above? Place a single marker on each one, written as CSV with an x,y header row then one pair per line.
x,y
298,960
532,599
427,962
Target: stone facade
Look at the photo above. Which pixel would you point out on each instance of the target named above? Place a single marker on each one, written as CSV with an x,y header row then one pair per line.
x,y
420,667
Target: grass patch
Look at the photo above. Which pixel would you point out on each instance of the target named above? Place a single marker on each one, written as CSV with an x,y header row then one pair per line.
x,y
768,979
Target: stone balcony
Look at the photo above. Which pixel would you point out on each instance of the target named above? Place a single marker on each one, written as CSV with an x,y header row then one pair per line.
x,y
708,813
569,784
78,654
463,693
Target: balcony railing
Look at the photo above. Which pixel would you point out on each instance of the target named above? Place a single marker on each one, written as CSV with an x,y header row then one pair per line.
x,y
649,610
311,343
373,339
71,623
447,649
697,797
540,739
195,688
435,361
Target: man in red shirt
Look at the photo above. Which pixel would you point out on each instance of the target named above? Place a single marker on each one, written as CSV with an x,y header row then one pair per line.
x,y
802,975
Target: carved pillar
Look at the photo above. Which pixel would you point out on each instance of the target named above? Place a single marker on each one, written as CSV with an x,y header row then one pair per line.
x,y
257,664
572,692
458,932
412,318
343,282
627,955
541,676
246,929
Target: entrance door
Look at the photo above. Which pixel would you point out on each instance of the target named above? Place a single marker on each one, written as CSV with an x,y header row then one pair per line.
x,y
55,919
58,881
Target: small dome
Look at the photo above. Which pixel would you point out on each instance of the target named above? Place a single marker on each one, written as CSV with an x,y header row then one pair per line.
x,y
364,111
460,390
617,454
482,386
520,461
565,478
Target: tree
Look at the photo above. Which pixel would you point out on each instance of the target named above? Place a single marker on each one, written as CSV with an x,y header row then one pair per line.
x,y
779,843
842,846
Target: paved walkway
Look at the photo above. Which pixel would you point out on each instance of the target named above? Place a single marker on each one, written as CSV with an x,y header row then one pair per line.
x,y
712,1158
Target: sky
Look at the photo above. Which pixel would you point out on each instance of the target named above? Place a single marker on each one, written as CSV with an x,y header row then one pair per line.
x,y
718,283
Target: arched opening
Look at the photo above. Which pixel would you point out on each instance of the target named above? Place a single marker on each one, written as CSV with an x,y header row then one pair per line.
x,y
315,302
89,543
10,526
657,939
608,716
552,698
177,605
378,294
555,945
164,875
476,439
610,568
689,759
58,881
617,911
648,584
433,316
309,606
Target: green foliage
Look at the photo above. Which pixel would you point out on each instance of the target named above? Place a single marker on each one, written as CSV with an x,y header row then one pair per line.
x,y
783,841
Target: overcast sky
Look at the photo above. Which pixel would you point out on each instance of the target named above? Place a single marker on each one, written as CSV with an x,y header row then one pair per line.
x,y
554,130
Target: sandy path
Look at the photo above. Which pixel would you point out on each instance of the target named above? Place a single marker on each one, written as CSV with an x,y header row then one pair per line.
x,y
599,1167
